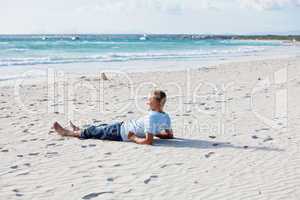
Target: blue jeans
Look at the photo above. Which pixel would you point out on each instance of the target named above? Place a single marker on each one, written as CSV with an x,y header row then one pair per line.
x,y
103,132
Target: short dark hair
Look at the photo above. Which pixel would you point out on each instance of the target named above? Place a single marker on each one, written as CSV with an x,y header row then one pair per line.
x,y
160,96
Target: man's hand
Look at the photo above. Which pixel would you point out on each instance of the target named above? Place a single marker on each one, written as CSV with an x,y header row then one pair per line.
x,y
148,140
166,134
131,136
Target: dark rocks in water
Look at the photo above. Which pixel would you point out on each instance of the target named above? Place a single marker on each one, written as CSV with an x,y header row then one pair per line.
x,y
212,136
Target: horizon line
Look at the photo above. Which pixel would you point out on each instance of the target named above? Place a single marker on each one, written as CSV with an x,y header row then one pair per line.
x,y
204,34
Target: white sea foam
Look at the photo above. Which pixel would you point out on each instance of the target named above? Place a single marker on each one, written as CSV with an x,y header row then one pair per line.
x,y
129,56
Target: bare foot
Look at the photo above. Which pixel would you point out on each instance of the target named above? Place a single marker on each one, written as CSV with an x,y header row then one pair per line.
x,y
75,128
64,132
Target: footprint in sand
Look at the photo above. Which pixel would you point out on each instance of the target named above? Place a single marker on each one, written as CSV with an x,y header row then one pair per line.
x,y
94,195
254,137
51,144
52,153
166,165
209,154
110,179
149,179
33,154
130,190
267,139
18,194
23,174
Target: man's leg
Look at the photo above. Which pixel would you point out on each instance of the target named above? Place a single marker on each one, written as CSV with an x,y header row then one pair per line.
x,y
65,132
75,128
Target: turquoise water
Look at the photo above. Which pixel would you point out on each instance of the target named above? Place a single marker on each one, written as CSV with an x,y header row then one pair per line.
x,y
63,49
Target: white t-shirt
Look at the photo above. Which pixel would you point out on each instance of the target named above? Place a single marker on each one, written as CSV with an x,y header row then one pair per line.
x,y
153,123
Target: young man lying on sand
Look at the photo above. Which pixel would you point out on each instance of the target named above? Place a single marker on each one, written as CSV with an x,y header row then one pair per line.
x,y
141,131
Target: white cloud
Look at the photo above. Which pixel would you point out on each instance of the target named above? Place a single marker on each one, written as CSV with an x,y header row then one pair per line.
x,y
172,7
268,4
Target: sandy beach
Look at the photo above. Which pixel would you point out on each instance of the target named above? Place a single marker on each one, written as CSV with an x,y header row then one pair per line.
x,y
236,127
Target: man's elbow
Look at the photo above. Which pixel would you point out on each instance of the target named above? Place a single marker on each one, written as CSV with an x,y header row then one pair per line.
x,y
148,141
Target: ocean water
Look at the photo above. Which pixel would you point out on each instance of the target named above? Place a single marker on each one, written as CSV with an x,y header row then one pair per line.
x,y
29,50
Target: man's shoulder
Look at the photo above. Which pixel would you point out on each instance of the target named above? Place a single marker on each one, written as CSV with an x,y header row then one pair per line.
x,y
158,115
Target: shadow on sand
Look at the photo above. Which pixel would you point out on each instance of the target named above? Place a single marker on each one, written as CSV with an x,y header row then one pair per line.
x,y
203,144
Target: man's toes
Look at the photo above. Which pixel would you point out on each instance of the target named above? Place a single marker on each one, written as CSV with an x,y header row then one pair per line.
x,y
57,126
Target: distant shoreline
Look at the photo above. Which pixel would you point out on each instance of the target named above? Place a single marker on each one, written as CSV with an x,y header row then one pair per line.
x,y
184,36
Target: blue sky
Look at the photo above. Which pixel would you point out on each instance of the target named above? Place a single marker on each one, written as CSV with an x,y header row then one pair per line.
x,y
149,16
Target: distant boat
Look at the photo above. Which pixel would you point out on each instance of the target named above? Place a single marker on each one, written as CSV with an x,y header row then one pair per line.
x,y
74,38
44,38
144,37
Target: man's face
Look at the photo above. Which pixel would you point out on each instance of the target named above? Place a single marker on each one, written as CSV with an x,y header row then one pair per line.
x,y
153,103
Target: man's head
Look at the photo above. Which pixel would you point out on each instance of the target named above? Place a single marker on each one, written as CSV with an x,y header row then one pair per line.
x,y
157,100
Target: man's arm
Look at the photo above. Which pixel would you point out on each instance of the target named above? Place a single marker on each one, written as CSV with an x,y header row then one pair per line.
x,y
148,140
166,134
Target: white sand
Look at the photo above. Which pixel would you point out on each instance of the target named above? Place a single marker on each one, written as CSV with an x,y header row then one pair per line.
x,y
254,155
